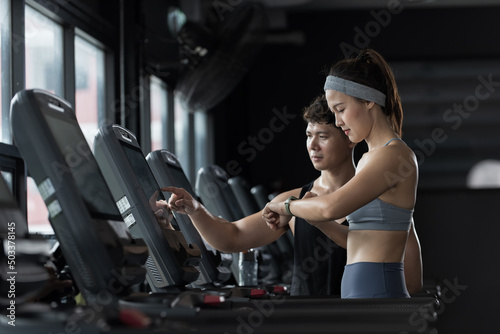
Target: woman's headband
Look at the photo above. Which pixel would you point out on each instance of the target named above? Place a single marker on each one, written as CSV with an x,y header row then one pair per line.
x,y
355,89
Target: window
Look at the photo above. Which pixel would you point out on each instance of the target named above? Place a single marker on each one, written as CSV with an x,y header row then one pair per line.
x,y
89,83
37,211
4,77
44,70
63,60
184,146
204,142
44,52
158,105
4,69
2,52
194,141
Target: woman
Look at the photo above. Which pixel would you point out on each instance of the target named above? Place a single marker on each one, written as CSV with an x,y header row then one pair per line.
x,y
379,200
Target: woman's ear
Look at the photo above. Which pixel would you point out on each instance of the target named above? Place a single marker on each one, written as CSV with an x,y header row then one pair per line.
x,y
370,104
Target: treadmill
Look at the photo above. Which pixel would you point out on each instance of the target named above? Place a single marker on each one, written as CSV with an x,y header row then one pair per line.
x,y
130,178
22,258
106,263
218,197
276,263
173,261
166,168
13,169
87,224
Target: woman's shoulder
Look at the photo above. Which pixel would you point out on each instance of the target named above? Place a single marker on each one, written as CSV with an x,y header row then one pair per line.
x,y
398,149
395,155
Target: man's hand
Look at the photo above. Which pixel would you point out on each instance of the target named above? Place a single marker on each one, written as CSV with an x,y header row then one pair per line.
x,y
181,201
275,215
161,211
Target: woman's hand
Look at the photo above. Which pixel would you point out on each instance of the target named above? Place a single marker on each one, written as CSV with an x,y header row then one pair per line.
x,y
181,201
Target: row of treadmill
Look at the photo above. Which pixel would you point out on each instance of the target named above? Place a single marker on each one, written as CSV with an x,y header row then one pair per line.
x,y
132,276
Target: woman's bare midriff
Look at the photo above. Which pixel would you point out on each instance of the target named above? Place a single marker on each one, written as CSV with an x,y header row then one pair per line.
x,y
375,246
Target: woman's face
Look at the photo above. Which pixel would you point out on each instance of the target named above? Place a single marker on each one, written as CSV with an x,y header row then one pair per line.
x,y
326,145
351,115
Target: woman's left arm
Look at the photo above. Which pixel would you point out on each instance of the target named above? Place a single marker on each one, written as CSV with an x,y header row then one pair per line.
x,y
381,173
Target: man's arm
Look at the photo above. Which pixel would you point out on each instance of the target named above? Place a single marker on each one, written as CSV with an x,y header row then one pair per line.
x,y
225,236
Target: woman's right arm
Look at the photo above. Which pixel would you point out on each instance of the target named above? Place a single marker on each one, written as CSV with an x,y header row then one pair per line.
x,y
413,262
336,232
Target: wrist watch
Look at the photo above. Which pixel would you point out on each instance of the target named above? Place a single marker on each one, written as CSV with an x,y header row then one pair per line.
x,y
287,204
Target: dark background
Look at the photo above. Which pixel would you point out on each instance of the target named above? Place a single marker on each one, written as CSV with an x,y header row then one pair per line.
x,y
289,76
439,50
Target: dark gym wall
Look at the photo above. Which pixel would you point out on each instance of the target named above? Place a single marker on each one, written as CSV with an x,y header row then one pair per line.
x,y
458,230
288,76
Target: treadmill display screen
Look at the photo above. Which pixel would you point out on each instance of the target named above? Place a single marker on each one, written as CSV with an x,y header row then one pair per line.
x,y
180,180
142,171
83,167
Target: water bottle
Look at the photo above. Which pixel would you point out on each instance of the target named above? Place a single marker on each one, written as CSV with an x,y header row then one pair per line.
x,y
248,268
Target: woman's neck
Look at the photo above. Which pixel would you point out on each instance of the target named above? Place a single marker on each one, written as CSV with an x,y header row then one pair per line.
x,y
380,133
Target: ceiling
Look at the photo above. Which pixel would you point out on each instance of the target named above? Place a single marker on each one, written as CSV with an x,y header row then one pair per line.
x,y
370,4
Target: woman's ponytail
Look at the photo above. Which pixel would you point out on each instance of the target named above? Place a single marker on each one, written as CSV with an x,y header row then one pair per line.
x,y
370,69
393,108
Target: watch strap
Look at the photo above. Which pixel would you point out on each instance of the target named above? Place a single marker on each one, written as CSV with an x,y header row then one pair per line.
x,y
287,204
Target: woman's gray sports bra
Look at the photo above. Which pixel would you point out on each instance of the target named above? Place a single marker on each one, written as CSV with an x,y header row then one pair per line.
x,y
380,215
